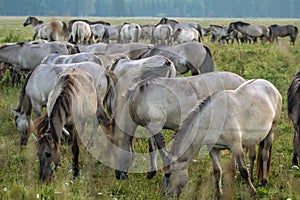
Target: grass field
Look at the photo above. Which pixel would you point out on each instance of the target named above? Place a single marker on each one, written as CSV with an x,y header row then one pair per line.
x,y
276,62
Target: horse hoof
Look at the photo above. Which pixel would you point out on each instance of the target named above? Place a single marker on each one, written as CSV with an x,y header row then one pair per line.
x,y
264,183
151,174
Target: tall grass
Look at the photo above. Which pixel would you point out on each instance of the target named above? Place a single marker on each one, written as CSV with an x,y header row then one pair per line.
x,y
19,167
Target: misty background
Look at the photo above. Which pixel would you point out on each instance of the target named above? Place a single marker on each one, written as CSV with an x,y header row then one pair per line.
x,y
153,8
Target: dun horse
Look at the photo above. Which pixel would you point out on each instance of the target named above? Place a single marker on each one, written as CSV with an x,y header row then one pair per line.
x,y
228,119
72,104
51,31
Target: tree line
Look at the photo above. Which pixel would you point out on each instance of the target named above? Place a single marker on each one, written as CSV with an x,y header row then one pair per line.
x,y
153,8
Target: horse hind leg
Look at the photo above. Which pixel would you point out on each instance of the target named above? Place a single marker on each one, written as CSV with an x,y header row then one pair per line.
x,y
252,157
296,147
153,157
240,158
215,158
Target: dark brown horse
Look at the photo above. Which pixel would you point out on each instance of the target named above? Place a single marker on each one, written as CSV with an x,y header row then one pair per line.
x,y
284,31
293,108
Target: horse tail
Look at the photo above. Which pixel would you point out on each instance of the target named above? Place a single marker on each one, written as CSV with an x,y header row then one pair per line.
x,y
208,64
270,37
260,161
200,32
76,34
295,35
293,95
105,36
136,34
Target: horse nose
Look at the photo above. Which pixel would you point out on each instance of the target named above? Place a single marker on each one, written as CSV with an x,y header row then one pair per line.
x,y
121,175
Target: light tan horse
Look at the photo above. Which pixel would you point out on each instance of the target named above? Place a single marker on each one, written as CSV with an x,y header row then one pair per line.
x,y
228,119
51,31
82,33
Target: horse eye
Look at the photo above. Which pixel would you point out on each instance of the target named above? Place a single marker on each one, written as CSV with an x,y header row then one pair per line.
x,y
48,154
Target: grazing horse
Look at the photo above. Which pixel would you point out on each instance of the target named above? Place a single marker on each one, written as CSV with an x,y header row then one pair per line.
x,y
72,104
221,34
228,119
51,31
182,35
127,74
175,24
252,31
100,32
162,103
283,31
162,33
130,32
38,84
81,33
192,56
293,108
26,56
146,32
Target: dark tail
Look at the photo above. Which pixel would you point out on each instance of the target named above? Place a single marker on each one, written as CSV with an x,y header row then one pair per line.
x,y
208,64
260,162
295,35
270,38
23,91
200,32
105,37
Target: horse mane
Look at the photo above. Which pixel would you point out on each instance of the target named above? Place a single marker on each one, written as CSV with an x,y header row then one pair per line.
x,y
218,26
241,23
23,95
293,95
188,121
63,100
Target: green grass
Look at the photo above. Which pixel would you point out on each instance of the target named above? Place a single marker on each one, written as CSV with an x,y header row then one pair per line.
x,y
19,169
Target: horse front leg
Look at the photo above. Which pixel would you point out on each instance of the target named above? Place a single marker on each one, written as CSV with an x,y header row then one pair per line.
x,y
215,158
296,148
153,157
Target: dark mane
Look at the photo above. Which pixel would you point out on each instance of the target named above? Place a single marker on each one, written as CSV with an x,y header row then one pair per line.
x,y
218,26
188,121
240,23
293,96
63,101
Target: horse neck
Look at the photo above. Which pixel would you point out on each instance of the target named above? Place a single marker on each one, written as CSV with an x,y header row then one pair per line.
x,y
36,22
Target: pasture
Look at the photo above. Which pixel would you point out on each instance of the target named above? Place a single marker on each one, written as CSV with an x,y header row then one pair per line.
x,y
19,177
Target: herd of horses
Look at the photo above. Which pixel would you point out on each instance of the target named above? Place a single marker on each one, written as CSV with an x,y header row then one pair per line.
x,y
116,87
166,31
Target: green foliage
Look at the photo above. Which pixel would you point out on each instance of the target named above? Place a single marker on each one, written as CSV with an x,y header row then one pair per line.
x,y
11,38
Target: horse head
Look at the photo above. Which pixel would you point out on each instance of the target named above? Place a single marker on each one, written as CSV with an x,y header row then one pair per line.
x,y
174,179
31,20
48,151
24,125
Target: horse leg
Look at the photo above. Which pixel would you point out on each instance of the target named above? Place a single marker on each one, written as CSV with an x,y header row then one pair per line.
x,y
240,158
34,35
264,158
252,157
75,152
215,158
153,157
296,145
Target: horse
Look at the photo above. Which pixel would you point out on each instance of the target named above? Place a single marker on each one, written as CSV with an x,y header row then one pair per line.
x,y
81,33
72,104
146,32
183,35
162,33
100,32
26,56
51,31
114,31
126,74
130,32
162,103
253,31
71,22
283,31
293,114
220,33
74,58
175,24
190,56
38,84
227,119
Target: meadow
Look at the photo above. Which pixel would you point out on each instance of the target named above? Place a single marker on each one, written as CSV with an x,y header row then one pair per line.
x,y
19,168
